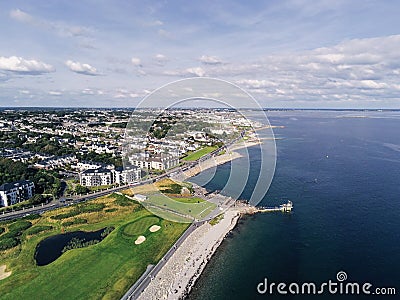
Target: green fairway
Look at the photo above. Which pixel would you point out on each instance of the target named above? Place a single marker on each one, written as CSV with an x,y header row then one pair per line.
x,y
101,271
140,226
199,153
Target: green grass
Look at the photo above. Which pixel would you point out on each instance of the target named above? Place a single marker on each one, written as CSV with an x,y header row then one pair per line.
x,y
140,226
38,229
189,199
199,153
102,271
123,201
217,219
100,187
74,222
182,205
87,207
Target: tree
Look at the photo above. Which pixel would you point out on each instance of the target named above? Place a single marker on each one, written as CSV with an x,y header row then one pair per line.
x,y
79,189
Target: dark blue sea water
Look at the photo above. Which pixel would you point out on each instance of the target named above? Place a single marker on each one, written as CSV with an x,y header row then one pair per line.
x,y
342,172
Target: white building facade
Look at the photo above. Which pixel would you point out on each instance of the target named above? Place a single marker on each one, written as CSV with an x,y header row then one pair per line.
x,y
15,192
157,162
103,176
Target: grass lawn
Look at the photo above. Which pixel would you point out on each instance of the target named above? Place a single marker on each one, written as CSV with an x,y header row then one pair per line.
x,y
101,271
199,153
183,205
100,187
189,199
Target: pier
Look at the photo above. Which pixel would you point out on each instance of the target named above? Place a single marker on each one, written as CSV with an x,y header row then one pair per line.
x,y
286,207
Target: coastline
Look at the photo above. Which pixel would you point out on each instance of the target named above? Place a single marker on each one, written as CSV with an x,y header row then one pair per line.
x,y
179,274
176,279
221,159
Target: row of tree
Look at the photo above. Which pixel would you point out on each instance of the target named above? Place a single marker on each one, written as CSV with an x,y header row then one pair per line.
x,y
46,182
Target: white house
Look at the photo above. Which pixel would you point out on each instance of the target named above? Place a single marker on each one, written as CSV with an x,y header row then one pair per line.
x,y
127,175
104,176
12,193
156,162
96,177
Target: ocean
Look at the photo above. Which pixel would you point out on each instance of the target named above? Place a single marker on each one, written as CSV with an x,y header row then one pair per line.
x,y
341,170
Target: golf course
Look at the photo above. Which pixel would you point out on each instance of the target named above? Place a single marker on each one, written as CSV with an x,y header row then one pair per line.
x,y
103,270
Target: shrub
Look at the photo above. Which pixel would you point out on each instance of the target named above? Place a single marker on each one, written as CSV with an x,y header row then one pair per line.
x,y
107,231
123,201
38,229
19,226
80,209
32,217
76,243
174,188
7,243
90,207
2,230
111,209
74,222
68,214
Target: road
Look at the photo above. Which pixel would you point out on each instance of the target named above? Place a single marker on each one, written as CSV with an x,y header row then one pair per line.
x,y
39,209
151,272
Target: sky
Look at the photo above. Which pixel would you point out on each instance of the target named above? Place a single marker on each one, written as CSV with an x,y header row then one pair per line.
x,y
285,53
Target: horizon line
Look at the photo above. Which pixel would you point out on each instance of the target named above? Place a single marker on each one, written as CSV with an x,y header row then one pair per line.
x,y
209,108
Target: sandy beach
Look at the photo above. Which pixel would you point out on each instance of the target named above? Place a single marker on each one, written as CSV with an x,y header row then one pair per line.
x,y
179,274
230,155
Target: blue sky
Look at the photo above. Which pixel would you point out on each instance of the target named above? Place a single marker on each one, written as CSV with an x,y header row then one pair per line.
x,y
294,53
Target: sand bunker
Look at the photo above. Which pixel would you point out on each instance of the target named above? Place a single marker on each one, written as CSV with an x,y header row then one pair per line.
x,y
3,273
154,228
140,240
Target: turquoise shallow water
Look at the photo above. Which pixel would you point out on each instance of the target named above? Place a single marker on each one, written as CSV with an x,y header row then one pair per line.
x,y
343,176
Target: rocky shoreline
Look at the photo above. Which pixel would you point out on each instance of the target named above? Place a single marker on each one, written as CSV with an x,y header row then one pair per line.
x,y
178,276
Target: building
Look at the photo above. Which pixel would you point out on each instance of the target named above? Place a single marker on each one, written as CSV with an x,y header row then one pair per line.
x,y
86,165
127,175
156,162
96,177
15,192
104,176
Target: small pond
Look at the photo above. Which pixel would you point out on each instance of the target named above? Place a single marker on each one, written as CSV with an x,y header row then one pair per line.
x,y
52,247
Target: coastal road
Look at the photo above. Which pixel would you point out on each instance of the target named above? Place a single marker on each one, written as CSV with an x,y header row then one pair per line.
x,y
39,209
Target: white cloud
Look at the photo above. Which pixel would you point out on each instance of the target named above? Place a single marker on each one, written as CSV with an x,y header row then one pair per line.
x,y
55,93
353,70
164,33
154,23
136,62
20,16
81,68
24,66
210,60
88,91
196,71
161,58
59,27
256,84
